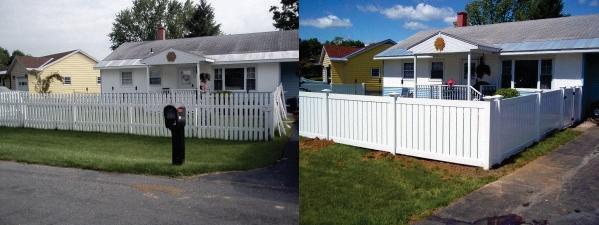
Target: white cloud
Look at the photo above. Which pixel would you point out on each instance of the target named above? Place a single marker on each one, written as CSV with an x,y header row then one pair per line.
x,y
421,12
594,3
367,8
582,2
326,22
413,25
46,27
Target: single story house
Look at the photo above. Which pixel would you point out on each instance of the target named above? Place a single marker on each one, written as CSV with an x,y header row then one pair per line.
x,y
534,54
353,65
237,63
76,67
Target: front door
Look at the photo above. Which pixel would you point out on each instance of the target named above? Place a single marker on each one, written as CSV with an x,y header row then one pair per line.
x,y
526,73
187,78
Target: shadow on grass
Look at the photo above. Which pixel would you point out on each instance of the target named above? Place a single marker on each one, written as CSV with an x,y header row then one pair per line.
x,y
133,153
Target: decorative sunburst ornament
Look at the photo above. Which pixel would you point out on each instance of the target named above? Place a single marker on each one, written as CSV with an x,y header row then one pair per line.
x,y
439,44
171,56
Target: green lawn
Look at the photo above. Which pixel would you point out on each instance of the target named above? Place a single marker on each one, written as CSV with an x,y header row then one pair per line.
x,y
342,184
131,153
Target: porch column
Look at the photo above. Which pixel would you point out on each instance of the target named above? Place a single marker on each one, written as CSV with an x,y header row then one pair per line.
x,y
538,74
513,85
469,76
415,78
147,79
198,76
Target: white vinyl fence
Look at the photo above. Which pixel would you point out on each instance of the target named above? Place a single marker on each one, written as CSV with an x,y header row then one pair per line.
x,y
229,116
477,133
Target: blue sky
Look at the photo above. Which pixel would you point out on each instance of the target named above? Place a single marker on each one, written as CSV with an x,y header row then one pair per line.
x,y
376,20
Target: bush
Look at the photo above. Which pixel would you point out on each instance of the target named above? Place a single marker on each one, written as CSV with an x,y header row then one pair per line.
x,y
507,92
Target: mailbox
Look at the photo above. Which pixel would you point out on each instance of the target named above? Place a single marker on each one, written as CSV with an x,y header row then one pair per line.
x,y
174,120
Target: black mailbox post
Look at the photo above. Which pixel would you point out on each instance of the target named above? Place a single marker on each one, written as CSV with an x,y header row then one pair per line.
x,y
174,119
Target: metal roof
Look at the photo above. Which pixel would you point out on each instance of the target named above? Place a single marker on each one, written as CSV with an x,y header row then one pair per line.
x,y
577,32
273,41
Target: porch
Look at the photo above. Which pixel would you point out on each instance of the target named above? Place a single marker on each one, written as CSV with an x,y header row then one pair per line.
x,y
447,67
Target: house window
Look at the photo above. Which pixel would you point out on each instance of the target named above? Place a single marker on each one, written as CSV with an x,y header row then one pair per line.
x,y
472,70
506,74
251,78
66,80
526,73
155,77
546,73
374,72
437,70
408,70
234,79
99,80
126,78
218,79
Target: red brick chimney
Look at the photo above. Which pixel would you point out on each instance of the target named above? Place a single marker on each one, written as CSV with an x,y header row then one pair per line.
x,y
160,33
462,19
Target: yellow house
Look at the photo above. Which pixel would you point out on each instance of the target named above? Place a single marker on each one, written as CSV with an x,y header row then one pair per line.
x,y
351,65
76,67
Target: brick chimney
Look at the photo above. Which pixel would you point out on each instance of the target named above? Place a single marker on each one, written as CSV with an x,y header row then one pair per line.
x,y
462,19
160,33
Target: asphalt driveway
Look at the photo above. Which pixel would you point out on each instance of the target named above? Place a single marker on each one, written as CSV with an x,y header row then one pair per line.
x,y
559,188
34,194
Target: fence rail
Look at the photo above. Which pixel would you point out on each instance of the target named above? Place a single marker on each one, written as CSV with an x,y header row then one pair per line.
x,y
229,116
477,133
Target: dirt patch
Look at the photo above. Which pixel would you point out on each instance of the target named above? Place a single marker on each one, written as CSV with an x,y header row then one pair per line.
x,y
314,144
448,169
375,155
153,188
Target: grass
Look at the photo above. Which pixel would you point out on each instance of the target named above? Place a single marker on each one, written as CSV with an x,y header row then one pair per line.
x,y
131,153
342,184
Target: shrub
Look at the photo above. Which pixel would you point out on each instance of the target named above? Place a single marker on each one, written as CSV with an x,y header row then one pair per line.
x,y
507,92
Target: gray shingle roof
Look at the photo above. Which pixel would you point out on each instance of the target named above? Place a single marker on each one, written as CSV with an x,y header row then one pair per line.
x,y
213,45
564,28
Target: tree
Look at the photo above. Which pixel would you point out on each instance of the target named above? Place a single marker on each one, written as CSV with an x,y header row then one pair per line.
x,y
4,58
42,85
500,11
309,56
345,42
202,21
490,11
139,23
539,9
286,18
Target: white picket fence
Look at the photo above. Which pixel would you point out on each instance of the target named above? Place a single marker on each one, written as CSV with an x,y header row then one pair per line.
x,y
228,116
477,133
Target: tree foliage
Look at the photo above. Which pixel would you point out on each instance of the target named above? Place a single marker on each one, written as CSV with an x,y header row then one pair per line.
x,y
345,42
42,84
202,21
4,58
499,11
139,23
309,57
286,17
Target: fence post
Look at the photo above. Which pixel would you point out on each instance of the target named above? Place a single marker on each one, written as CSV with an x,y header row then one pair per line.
x,y
326,111
394,133
561,107
490,143
538,114
130,119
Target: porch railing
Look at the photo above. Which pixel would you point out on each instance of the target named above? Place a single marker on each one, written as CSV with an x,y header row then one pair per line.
x,y
446,92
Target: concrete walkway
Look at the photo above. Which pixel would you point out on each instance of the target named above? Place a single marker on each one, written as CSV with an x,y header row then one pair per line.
x,y
559,188
35,194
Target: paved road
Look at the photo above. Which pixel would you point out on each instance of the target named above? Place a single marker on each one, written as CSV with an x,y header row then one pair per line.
x,y
33,194
560,188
